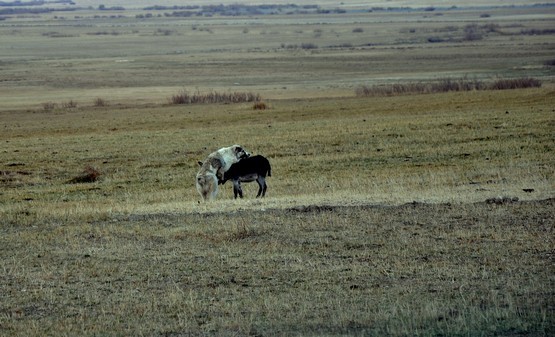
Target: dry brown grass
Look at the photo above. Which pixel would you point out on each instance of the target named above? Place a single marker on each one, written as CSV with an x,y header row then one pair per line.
x,y
407,215
446,85
329,251
184,97
320,270
260,106
89,175
136,63
430,148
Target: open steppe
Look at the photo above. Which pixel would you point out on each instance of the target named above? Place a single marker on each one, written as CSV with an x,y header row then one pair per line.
x,y
417,214
148,55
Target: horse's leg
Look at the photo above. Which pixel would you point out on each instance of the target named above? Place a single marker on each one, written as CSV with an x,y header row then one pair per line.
x,y
265,187
237,189
240,191
261,183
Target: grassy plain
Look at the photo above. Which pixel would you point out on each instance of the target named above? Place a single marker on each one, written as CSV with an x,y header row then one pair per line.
x,y
85,55
384,215
330,251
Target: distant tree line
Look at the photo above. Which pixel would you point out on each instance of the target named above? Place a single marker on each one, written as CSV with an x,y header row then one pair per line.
x,y
35,10
113,8
236,9
34,3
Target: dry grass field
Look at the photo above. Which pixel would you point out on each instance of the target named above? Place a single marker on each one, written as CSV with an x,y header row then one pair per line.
x,y
416,214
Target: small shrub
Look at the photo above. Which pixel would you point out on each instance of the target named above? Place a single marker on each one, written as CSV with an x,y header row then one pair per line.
x,y
491,28
346,45
260,106
205,29
100,102
358,30
517,83
89,175
363,91
49,106
71,104
435,39
537,31
56,34
289,46
472,33
164,32
309,46
445,85
114,33
448,84
180,98
214,97
242,232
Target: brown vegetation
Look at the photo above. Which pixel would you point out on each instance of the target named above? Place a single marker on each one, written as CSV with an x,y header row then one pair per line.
x,y
446,85
260,106
89,175
327,270
214,97
408,215
323,253
100,102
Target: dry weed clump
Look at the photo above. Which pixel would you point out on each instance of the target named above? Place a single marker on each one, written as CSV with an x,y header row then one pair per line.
x,y
89,175
100,102
260,106
71,104
49,106
184,97
445,85
517,83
